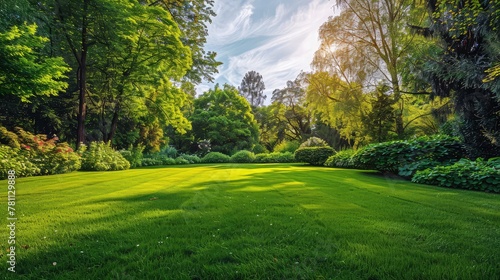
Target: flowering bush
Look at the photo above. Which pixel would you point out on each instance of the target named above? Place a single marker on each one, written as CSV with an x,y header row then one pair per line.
x,y
15,159
32,155
101,157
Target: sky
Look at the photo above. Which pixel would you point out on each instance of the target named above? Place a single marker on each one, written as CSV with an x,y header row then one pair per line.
x,y
276,38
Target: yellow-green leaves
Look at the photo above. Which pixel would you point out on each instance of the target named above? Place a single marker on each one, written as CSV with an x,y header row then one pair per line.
x,y
24,71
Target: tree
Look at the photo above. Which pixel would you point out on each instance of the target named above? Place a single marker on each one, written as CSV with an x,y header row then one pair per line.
x,y
252,88
367,44
224,118
464,68
340,104
134,68
24,72
380,119
192,17
290,107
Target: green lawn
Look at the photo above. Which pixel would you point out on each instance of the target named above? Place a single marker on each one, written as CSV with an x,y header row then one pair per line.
x,y
249,222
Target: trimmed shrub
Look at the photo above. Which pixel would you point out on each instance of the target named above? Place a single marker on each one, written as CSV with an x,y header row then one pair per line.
x,y
181,160
464,174
314,155
133,155
314,142
101,157
343,159
191,158
403,157
215,157
259,149
152,162
286,146
243,156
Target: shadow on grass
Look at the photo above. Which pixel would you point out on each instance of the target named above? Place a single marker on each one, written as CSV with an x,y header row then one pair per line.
x,y
277,222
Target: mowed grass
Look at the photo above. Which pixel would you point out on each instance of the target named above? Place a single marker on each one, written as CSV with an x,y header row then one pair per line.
x,y
249,222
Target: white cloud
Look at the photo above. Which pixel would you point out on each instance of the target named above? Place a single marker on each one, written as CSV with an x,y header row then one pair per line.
x,y
277,40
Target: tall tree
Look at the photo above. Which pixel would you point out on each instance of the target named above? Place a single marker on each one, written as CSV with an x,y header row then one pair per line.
x,y
464,68
290,107
192,17
367,44
252,88
225,118
340,104
135,66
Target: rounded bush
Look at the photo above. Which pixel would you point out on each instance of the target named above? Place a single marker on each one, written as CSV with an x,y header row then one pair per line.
x,y
342,159
402,157
215,157
286,146
101,157
314,155
314,142
259,149
191,158
243,157
181,160
151,162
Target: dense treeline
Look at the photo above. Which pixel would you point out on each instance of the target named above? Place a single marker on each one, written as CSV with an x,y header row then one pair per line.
x,y
124,72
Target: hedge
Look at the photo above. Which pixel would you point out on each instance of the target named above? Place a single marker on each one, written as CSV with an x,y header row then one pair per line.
x,y
408,156
243,157
313,155
343,159
215,157
465,174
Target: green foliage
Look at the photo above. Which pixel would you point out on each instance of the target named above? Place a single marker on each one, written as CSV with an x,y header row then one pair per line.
x,y
181,160
259,149
252,88
314,142
289,113
17,160
169,151
287,146
243,157
286,157
313,155
465,68
313,223
190,158
9,138
24,71
224,117
464,174
101,157
133,155
405,157
215,157
154,161
45,156
343,159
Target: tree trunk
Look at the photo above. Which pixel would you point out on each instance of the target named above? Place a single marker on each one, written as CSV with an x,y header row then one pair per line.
x,y
114,123
82,80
